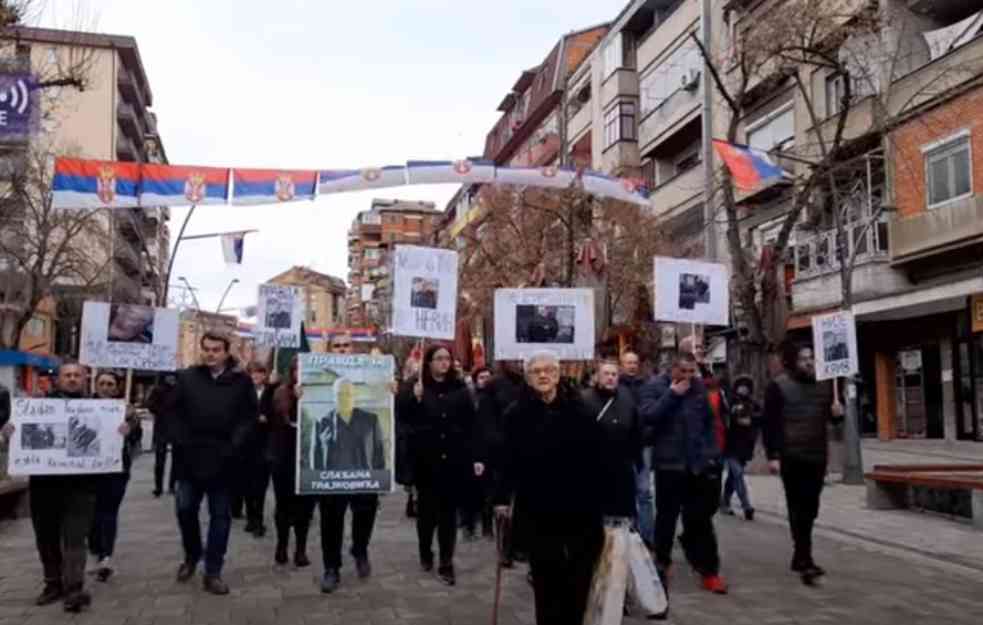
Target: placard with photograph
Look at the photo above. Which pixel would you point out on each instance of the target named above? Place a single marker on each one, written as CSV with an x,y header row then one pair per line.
x,y
279,313
691,291
128,336
424,292
530,320
66,436
835,339
345,444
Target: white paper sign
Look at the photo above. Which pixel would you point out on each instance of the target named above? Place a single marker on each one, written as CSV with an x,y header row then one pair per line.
x,y
66,436
424,292
128,336
835,339
279,313
557,320
691,291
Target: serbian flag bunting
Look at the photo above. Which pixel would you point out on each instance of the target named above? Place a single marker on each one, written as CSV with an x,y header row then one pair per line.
x,y
623,189
549,176
175,185
337,180
232,247
459,172
750,168
79,183
272,186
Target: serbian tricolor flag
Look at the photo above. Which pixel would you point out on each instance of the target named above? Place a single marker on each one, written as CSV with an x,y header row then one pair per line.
x,y
750,168
232,246
271,186
79,183
337,180
175,185
458,172
623,189
549,176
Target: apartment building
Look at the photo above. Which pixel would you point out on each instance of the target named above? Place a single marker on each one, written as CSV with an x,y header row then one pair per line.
x,y
371,239
324,296
109,119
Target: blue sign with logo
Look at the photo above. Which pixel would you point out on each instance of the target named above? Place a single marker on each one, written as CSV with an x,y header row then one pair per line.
x,y
19,104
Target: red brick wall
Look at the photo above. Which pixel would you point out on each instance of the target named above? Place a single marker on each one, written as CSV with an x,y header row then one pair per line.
x,y
963,113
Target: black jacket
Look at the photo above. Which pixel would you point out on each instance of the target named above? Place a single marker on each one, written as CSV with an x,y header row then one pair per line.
x,y
742,428
337,446
621,443
211,422
682,427
797,414
493,401
634,384
552,466
159,403
441,432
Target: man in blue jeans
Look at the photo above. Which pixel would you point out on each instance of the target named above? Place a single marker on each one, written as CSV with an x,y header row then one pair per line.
x,y
214,411
632,380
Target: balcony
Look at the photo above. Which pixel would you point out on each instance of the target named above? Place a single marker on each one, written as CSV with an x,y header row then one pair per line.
x,y
954,226
126,149
622,83
125,288
127,258
128,223
129,89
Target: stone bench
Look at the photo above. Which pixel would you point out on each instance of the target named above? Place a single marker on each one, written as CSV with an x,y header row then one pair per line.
x,y
890,487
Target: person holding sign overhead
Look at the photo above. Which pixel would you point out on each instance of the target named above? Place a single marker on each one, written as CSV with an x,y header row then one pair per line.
x,y
796,413
437,407
62,510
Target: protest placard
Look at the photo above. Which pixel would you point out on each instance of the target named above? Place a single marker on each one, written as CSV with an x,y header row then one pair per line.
x,y
835,339
279,313
66,436
557,320
424,292
128,336
346,443
691,291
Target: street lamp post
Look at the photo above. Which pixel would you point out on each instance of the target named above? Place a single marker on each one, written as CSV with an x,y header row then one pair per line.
x,y
218,308
190,290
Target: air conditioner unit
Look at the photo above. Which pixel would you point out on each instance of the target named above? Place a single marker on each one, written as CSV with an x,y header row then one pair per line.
x,y
691,80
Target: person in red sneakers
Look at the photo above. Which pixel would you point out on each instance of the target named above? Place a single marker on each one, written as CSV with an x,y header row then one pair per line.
x,y
686,457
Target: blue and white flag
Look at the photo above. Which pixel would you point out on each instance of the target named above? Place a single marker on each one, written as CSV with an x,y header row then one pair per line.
x,y
232,247
337,180
552,177
624,189
458,172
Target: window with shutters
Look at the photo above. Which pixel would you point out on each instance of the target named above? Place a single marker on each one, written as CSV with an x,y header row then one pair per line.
x,y
948,171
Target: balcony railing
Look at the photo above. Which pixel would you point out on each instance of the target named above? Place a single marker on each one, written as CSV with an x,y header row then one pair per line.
x,y
932,231
817,255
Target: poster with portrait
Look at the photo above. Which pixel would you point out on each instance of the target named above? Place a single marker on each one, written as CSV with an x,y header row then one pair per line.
x,y
128,336
531,320
691,291
424,292
66,436
346,432
835,339
279,313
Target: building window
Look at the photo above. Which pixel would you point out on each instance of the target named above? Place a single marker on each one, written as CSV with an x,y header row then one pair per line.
x,y
619,124
835,89
648,173
948,171
775,132
687,162
613,56
680,72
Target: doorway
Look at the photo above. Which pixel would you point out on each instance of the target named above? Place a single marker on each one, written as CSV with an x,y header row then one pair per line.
x,y
919,393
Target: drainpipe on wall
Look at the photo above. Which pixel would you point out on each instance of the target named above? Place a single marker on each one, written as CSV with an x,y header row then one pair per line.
x,y
709,216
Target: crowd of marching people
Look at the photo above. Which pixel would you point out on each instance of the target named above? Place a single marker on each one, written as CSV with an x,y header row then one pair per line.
x,y
522,451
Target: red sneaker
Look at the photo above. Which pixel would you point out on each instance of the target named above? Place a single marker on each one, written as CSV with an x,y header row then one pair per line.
x,y
715,584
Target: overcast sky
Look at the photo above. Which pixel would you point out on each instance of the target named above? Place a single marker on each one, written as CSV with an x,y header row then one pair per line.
x,y
318,85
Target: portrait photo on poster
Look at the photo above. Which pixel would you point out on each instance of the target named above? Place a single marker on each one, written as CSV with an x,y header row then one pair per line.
x,y
131,323
835,338
279,313
835,345
545,324
425,293
83,437
693,289
43,436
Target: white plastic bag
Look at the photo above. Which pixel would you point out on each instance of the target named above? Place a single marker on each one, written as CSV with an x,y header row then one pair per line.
x,y
607,593
644,584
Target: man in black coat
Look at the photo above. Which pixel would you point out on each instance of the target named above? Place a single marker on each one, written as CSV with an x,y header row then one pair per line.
x,y
256,461
214,412
347,438
157,404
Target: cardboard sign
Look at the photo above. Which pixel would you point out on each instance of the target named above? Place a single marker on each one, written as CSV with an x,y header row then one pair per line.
x,y
424,303
556,320
128,336
345,443
691,291
835,339
66,436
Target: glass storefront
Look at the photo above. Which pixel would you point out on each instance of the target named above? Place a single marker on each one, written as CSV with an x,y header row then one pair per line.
x,y
969,383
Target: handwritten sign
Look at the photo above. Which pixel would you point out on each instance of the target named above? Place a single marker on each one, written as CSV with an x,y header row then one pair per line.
x,y
66,436
835,339
349,394
691,291
424,292
128,336
556,320
279,314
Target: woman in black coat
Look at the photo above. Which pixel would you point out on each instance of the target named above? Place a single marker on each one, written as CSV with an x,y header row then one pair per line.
x,y
551,487
438,409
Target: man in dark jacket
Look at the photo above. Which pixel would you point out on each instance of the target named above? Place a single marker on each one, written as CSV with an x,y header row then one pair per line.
x,y
256,461
687,468
632,380
214,413
797,411
157,404
742,432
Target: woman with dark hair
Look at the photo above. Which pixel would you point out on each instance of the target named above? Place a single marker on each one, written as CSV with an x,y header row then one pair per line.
x,y
550,486
292,510
111,487
437,407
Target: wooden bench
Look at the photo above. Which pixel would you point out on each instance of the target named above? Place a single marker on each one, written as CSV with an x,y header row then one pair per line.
x,y
889,486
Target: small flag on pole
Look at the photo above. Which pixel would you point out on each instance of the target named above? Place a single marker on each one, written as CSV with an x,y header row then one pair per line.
x,y
750,168
232,247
